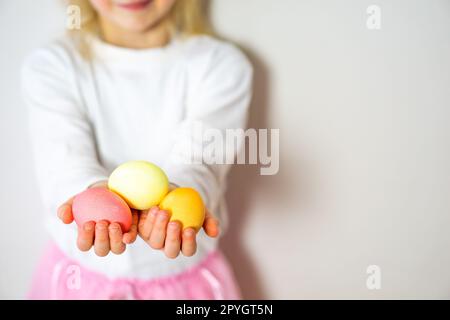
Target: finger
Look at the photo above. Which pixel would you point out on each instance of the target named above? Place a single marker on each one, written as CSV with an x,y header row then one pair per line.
x,y
64,211
172,244
101,242
189,242
158,233
142,219
149,220
86,236
130,236
115,238
211,225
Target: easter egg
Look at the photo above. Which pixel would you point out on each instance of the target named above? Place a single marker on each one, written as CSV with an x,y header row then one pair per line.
x,y
185,205
140,183
98,204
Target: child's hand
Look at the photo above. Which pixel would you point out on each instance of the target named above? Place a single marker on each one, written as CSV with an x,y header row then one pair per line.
x,y
155,229
103,236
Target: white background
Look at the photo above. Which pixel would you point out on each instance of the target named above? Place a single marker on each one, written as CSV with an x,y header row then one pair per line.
x,y
364,166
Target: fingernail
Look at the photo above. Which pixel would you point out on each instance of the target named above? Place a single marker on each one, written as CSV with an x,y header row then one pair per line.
x,y
101,226
173,225
189,232
88,227
162,216
114,227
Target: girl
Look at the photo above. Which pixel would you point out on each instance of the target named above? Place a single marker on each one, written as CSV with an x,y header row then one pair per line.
x,y
130,85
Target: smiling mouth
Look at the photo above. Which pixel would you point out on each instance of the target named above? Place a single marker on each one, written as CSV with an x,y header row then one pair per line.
x,y
136,5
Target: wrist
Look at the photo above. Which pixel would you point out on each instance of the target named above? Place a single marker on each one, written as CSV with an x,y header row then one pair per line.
x,y
99,184
173,186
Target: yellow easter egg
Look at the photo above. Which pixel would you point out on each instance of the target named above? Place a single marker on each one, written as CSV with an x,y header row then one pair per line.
x,y
185,205
140,183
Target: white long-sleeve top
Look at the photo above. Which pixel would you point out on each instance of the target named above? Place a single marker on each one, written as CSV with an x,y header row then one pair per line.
x,y
87,116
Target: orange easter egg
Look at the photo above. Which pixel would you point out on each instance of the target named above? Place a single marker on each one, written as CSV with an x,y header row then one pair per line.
x,y
185,205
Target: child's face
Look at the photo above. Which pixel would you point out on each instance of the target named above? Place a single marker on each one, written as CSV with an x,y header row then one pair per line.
x,y
133,15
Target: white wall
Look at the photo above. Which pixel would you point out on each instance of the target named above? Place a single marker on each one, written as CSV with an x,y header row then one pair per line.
x,y
364,171
24,25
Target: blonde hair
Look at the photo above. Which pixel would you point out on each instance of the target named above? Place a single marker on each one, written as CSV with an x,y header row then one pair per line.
x,y
187,18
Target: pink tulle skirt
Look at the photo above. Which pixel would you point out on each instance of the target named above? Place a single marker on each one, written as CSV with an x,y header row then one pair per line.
x,y
58,277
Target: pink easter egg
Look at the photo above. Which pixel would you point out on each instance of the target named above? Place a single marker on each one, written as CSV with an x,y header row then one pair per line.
x,y
98,204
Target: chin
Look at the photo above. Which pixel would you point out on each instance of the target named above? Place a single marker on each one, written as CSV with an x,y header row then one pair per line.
x,y
136,25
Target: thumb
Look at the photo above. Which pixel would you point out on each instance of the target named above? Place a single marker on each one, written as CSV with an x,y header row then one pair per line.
x,y
211,225
65,211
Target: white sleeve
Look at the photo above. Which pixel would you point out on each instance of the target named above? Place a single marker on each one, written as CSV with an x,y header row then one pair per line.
x,y
63,143
218,99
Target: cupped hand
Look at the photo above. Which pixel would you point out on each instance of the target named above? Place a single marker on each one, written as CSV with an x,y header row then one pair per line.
x,y
103,236
155,229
